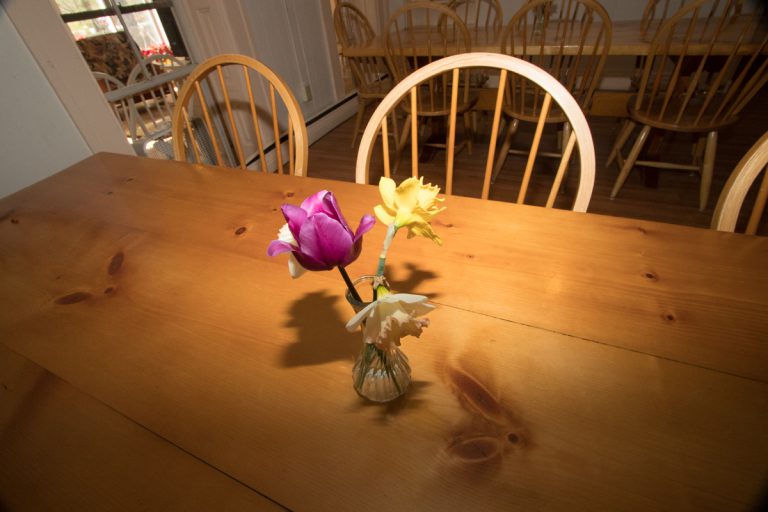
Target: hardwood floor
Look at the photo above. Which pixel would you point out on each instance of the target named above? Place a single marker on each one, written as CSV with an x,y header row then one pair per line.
x,y
674,200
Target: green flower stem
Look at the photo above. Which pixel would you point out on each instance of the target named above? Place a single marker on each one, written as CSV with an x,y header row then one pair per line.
x,y
350,286
391,231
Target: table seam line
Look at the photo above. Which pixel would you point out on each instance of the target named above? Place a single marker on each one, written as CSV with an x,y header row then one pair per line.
x,y
628,349
147,429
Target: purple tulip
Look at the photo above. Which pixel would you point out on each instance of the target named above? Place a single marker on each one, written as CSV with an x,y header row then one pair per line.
x,y
322,238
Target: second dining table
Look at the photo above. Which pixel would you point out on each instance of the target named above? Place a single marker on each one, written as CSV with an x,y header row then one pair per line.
x,y
153,356
628,38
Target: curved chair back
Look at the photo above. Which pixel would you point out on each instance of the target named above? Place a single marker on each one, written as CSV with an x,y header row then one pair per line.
x,y
658,11
354,29
422,32
483,18
370,74
152,110
152,66
685,84
217,118
120,108
739,183
507,66
570,39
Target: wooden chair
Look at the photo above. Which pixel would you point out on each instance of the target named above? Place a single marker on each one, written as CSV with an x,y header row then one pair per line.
x,y
578,35
483,18
417,34
736,188
218,107
372,78
121,108
151,111
509,68
657,11
685,88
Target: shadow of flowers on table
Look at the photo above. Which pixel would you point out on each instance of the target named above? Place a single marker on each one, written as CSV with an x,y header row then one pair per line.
x,y
416,276
320,333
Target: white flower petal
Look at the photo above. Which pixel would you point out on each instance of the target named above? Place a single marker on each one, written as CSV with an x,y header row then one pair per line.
x,y
284,235
408,298
294,267
391,318
358,319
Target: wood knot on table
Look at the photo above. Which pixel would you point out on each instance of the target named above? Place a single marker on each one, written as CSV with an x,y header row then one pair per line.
x,y
116,263
650,276
73,298
6,215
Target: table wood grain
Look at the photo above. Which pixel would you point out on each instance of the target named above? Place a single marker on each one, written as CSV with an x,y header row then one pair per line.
x,y
63,450
574,360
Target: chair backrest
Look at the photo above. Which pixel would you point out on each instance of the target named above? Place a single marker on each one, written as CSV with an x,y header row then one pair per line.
x,y
570,39
739,183
121,108
217,106
354,29
657,11
483,18
154,65
688,82
507,66
421,32
152,110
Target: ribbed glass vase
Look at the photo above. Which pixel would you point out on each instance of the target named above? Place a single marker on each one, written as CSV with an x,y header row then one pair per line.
x,y
381,375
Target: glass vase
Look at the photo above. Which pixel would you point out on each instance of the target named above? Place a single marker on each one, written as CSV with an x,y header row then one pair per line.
x,y
379,375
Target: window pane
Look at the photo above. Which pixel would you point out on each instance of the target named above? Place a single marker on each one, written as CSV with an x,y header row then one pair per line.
x,y
147,31
132,2
94,27
73,6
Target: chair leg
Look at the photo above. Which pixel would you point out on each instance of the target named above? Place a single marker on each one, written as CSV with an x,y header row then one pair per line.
x,y
630,161
621,139
707,169
697,150
361,106
509,132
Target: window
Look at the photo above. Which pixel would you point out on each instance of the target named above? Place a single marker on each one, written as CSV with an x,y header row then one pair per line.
x,y
150,24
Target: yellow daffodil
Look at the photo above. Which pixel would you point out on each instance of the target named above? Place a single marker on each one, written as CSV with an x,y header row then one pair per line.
x,y
411,205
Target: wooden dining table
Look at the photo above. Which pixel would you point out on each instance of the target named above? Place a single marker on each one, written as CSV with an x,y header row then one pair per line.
x,y
628,38
153,357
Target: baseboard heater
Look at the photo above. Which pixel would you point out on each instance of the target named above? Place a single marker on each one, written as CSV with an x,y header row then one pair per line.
x,y
313,120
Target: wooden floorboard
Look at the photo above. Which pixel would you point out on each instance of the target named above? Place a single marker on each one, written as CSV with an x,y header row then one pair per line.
x,y
674,200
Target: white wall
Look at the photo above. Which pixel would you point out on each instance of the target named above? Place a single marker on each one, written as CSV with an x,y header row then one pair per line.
x,y
37,135
291,37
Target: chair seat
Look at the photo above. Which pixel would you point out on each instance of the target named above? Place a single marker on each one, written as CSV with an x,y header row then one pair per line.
x,y
529,115
689,121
